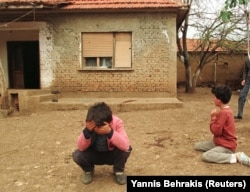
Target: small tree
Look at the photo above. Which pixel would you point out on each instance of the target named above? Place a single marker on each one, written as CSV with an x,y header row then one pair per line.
x,y
214,34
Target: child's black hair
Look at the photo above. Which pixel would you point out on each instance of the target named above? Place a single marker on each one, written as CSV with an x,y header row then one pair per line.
x,y
99,113
223,93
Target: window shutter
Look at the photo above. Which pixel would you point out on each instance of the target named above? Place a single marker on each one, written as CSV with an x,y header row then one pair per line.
x,y
97,44
123,50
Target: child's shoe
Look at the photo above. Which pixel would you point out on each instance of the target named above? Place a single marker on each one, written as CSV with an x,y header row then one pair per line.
x,y
87,177
243,158
120,178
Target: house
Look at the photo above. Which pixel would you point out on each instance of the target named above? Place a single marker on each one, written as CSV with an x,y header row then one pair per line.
x,y
88,46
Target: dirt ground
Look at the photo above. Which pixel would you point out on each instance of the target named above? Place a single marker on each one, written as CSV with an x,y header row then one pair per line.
x,y
35,149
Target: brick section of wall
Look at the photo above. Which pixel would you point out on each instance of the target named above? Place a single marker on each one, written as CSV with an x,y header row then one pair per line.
x,y
153,53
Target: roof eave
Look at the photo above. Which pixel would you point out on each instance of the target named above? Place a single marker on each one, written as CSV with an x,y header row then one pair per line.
x,y
181,12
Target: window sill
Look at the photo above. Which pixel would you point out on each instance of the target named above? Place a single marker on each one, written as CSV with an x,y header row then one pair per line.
x,y
105,69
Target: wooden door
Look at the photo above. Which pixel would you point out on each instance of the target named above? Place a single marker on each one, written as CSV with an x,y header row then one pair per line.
x,y
15,63
23,65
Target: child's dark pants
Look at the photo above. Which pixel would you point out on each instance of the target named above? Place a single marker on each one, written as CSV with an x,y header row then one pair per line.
x,y
88,158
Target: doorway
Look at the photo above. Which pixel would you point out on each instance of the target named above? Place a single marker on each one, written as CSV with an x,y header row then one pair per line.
x,y
23,64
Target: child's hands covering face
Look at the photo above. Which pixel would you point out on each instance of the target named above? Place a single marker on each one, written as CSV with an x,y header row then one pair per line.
x,y
103,130
90,125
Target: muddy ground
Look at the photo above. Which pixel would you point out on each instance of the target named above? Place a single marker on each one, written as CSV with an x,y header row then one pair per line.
x,y
35,149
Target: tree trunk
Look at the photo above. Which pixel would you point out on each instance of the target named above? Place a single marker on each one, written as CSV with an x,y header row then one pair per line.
x,y
188,73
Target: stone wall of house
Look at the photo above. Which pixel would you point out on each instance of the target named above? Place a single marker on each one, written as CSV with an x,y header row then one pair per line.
x,y
153,53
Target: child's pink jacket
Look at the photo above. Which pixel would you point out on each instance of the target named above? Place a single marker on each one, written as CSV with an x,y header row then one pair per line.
x,y
119,138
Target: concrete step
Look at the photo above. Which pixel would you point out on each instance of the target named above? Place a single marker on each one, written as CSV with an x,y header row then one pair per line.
x,y
45,97
29,92
30,101
117,104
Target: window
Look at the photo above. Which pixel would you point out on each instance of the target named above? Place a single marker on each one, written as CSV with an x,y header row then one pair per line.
x,y
106,50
